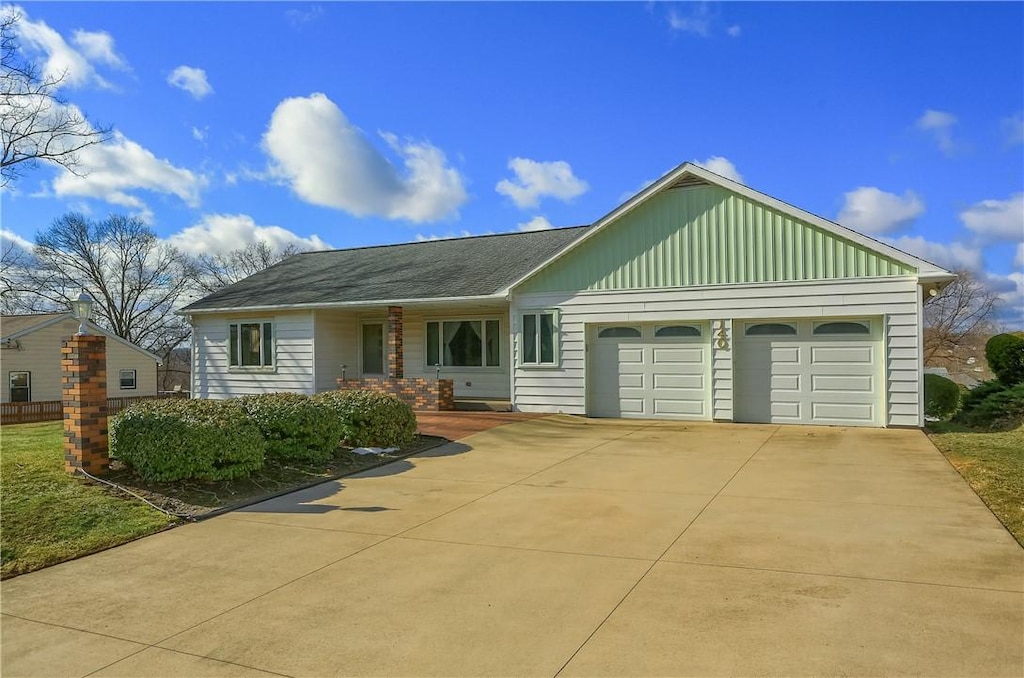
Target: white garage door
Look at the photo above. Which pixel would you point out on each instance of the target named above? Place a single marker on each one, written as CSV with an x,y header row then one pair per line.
x,y
809,372
649,371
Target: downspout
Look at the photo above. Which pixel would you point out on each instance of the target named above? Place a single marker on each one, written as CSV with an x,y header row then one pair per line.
x,y
511,355
194,361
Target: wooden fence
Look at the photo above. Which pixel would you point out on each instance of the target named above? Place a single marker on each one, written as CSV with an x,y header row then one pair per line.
x,y
52,410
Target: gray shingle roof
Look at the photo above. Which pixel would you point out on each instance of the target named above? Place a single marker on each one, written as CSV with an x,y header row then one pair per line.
x,y
435,269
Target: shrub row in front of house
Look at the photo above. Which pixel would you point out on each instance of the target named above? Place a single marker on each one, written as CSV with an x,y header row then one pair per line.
x,y
169,440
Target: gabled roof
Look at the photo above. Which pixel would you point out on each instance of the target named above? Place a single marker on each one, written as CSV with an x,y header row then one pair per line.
x,y
689,173
14,327
475,267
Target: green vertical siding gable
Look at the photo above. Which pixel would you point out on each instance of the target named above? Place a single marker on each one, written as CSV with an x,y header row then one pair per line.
x,y
707,235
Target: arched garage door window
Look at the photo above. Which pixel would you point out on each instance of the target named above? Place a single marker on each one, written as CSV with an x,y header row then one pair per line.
x,y
619,332
844,327
770,330
677,331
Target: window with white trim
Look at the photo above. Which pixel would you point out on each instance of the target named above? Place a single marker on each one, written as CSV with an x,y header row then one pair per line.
x,y
20,387
770,329
539,339
619,332
842,327
676,331
127,379
464,343
251,344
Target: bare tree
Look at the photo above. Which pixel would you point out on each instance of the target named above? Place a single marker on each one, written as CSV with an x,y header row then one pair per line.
x,y
958,318
220,270
136,280
36,123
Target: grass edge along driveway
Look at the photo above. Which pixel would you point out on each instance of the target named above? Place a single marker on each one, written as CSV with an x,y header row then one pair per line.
x,y
992,463
47,516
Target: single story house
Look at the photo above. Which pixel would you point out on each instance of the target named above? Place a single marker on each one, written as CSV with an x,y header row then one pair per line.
x,y
30,358
698,298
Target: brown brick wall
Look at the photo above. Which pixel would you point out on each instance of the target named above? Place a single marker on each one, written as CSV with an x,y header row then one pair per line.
x,y
396,363
424,395
84,393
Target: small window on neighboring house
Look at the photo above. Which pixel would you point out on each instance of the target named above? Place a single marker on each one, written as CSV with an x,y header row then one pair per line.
x,y
251,344
539,343
21,387
127,378
770,329
619,332
842,328
464,343
677,331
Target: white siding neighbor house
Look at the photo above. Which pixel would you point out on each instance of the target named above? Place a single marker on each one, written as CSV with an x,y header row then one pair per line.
x,y
699,298
30,359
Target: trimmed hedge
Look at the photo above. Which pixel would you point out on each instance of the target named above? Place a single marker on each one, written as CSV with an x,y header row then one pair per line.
x,y
1005,355
173,439
294,426
369,418
941,396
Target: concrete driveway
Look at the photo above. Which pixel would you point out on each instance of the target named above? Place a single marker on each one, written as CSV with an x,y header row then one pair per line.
x,y
562,546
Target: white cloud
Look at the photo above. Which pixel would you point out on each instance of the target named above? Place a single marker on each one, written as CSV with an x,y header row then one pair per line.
x,y
734,31
940,125
61,60
538,223
697,21
722,167
535,180
11,236
199,133
112,171
996,220
98,46
1011,294
223,233
447,236
190,79
1013,129
299,18
871,210
329,161
950,256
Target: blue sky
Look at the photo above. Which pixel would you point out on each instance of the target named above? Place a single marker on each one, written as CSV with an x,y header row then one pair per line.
x,y
357,124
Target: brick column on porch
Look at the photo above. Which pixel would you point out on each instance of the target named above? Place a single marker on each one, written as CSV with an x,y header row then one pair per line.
x,y
396,362
83,362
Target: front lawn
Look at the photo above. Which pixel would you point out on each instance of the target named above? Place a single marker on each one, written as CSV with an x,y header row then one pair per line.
x,y
46,516
993,465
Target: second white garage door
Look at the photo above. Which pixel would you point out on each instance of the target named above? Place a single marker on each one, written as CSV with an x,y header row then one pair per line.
x,y
825,371
649,371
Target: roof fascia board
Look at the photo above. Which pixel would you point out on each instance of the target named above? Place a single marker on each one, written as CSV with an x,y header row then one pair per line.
x,y
925,268
340,304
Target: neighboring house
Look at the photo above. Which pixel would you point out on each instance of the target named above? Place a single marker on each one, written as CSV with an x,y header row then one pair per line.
x,y
30,359
698,298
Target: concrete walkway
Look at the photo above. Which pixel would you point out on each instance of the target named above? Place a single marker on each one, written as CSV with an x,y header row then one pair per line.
x,y
562,546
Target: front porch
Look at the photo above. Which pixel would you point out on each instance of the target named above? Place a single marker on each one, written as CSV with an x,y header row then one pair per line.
x,y
436,357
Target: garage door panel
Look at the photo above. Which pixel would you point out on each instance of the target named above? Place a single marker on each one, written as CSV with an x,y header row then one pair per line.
x,y
809,379
650,377
842,355
843,412
844,383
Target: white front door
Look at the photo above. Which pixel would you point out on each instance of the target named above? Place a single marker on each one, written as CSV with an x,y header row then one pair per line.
x,y
649,371
825,371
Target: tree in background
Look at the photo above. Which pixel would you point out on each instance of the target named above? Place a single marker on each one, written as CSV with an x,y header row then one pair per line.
x,y
137,280
220,270
36,123
958,321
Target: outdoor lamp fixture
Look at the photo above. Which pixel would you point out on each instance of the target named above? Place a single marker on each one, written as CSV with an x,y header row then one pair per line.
x,y
343,369
82,307
437,366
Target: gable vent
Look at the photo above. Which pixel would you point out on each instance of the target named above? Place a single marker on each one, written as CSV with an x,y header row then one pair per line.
x,y
688,181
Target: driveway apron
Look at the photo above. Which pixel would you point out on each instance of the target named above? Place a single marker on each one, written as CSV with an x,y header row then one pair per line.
x,y
562,546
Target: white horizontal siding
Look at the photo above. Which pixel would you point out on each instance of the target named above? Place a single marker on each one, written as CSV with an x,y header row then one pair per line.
x,y
336,343
293,370
564,388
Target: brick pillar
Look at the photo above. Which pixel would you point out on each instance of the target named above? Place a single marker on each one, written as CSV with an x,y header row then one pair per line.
x,y
396,363
83,362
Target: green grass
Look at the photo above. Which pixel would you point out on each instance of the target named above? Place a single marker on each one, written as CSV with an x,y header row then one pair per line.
x,y
46,516
993,465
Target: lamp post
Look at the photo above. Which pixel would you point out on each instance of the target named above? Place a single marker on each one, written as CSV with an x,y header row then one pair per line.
x,y
82,308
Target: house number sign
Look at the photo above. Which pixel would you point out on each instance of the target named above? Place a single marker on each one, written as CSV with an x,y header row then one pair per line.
x,y
721,336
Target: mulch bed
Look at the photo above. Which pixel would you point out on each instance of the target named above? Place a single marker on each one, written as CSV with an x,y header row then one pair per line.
x,y
194,499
